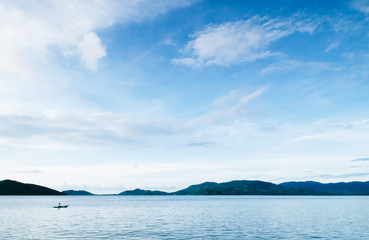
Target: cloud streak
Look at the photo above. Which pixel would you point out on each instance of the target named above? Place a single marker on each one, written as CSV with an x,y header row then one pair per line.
x,y
360,160
30,171
200,144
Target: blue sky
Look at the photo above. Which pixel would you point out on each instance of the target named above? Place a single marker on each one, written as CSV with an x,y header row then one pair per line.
x,y
114,95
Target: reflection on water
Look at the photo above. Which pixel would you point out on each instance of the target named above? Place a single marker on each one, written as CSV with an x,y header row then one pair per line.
x,y
184,217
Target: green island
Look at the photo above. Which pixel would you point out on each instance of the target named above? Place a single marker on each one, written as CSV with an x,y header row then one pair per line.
x,y
77,192
10,187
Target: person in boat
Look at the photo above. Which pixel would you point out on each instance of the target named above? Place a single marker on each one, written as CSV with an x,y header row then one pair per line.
x,y
59,205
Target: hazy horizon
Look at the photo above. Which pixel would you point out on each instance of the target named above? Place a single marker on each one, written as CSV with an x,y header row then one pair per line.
x,y
160,95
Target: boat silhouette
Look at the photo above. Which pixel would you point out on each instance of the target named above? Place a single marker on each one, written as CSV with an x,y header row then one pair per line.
x,y
61,206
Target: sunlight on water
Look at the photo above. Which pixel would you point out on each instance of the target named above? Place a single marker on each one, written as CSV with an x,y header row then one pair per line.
x,y
184,217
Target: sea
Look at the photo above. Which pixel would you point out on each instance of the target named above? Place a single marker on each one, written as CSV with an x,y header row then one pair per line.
x,y
184,217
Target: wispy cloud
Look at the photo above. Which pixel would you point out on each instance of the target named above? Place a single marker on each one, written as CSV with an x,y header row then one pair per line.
x,y
54,130
200,144
233,110
360,160
289,64
348,175
327,136
331,46
34,171
240,41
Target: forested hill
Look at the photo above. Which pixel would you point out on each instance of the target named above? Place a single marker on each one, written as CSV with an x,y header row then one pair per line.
x,y
142,192
10,187
241,187
77,192
361,188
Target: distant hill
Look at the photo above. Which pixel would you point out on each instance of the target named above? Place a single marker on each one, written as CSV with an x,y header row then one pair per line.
x,y
361,188
10,187
237,187
142,192
74,192
241,187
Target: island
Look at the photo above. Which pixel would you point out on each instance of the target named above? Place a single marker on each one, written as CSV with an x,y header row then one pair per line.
x,y
241,187
341,188
10,187
78,192
143,192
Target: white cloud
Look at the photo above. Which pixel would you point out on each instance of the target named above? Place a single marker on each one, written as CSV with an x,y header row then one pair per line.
x,y
91,50
41,39
240,41
28,30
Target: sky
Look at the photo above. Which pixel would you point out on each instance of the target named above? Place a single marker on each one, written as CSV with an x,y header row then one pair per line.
x,y
106,95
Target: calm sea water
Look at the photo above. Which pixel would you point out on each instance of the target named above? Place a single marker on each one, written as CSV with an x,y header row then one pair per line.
x,y
184,217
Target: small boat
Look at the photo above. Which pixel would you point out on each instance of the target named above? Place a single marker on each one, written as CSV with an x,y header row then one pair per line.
x,y
61,206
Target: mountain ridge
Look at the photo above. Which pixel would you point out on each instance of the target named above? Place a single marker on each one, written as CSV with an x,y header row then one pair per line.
x,y
342,188
138,191
240,187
